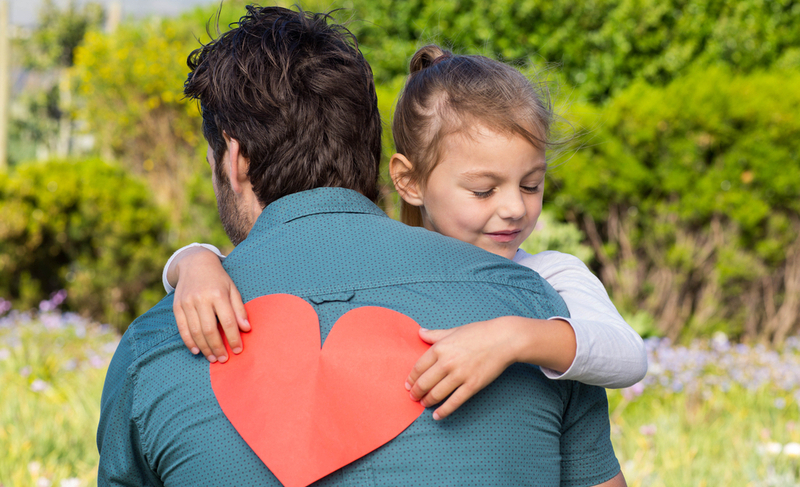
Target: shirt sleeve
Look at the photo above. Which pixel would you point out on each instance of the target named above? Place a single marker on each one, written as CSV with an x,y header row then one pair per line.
x,y
587,455
609,352
122,462
167,286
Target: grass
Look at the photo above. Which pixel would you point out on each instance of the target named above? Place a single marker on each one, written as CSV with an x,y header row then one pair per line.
x,y
52,372
680,440
712,414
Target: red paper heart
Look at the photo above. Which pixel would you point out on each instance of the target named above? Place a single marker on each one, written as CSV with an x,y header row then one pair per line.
x,y
307,412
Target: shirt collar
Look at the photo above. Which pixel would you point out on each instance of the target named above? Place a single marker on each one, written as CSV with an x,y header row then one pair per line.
x,y
315,201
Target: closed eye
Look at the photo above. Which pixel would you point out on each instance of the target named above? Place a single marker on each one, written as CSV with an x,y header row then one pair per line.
x,y
483,194
530,189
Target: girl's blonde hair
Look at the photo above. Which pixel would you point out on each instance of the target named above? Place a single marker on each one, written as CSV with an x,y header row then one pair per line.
x,y
447,94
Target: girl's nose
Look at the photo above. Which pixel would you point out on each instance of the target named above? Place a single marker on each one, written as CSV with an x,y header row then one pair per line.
x,y
512,206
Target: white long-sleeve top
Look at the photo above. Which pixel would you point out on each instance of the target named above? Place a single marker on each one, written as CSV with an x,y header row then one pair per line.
x,y
609,352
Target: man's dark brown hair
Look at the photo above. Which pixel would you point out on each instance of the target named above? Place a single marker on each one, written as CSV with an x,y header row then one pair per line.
x,y
299,97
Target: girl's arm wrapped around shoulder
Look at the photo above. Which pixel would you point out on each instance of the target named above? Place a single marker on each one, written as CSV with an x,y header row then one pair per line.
x,y
609,352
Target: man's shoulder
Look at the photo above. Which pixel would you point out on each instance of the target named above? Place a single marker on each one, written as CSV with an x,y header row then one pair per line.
x,y
466,262
153,327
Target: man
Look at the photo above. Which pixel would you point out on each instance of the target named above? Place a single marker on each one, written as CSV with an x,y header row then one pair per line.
x,y
290,115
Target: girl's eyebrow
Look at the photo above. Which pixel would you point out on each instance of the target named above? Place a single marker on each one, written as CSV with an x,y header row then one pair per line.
x,y
473,175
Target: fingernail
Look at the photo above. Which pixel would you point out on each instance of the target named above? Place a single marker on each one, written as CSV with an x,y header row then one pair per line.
x,y
247,322
413,398
223,359
212,359
237,350
423,329
408,386
195,350
436,416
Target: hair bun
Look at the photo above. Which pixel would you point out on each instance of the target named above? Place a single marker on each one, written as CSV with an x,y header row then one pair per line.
x,y
426,57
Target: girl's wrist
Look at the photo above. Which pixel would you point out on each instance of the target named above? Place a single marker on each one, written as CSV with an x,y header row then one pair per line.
x,y
193,256
547,343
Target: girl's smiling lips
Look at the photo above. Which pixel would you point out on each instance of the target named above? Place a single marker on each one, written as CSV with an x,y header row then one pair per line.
x,y
503,237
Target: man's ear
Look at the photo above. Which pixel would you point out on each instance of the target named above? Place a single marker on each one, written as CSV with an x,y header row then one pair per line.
x,y
237,164
400,169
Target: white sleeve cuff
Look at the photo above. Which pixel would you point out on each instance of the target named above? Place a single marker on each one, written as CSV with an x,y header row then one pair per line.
x,y
167,286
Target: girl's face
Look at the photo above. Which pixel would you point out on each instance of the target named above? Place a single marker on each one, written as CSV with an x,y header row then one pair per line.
x,y
486,190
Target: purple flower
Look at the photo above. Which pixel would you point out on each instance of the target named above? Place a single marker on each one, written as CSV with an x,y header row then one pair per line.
x,y
648,429
96,362
58,297
39,385
51,321
5,306
54,302
634,391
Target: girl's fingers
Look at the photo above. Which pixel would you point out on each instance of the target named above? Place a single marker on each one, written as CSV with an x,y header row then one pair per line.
x,y
239,310
443,388
208,324
196,331
423,364
427,382
227,319
433,336
453,402
183,329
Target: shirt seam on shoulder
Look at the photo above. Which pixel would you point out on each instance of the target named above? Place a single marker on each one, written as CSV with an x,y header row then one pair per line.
x,y
399,282
328,212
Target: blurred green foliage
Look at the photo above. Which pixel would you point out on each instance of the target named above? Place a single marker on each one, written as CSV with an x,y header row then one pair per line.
x,y
552,233
601,46
41,122
59,32
690,192
130,83
87,227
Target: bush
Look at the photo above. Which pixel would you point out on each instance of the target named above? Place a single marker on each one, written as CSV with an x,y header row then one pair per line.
x,y
552,234
602,45
689,196
86,227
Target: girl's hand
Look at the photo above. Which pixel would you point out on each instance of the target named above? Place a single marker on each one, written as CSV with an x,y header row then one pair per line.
x,y
465,359
461,362
204,296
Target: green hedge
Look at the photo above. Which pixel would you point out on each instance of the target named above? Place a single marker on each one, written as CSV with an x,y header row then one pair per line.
x,y
690,194
601,45
86,227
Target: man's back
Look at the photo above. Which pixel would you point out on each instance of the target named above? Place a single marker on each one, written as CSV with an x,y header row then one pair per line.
x,y
335,249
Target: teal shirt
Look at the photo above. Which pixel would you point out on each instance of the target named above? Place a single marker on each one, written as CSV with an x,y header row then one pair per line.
x,y
161,424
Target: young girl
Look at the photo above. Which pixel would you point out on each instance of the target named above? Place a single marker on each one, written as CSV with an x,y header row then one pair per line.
x,y
471,135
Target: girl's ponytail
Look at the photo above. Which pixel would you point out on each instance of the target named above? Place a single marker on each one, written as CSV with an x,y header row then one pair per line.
x,y
426,57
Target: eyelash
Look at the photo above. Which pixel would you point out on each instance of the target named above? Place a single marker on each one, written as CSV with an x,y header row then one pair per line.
x,y
483,194
486,194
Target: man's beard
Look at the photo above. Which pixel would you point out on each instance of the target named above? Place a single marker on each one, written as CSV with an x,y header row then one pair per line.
x,y
234,221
